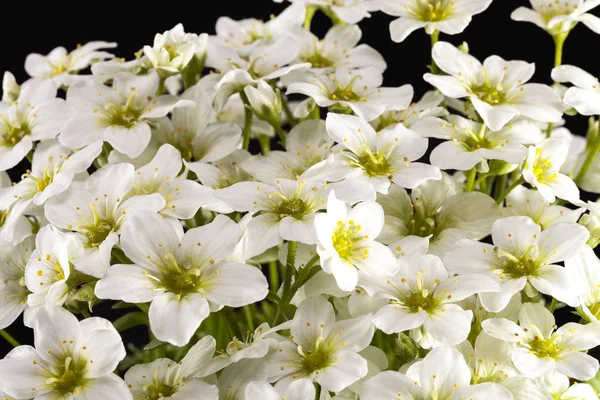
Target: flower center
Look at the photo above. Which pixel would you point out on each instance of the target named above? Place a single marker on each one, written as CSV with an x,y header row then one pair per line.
x,y
179,280
345,238
420,301
422,224
15,132
543,348
126,115
374,164
98,232
344,93
70,377
158,390
317,60
431,10
516,268
491,95
320,358
541,169
295,207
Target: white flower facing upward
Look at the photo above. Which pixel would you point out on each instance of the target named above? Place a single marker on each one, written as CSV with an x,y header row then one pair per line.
x,y
13,291
559,17
522,257
321,349
442,375
530,203
339,49
35,115
62,67
380,157
542,170
300,390
447,16
422,296
173,50
287,209
346,242
180,274
470,143
49,274
121,115
498,89
165,378
71,360
584,95
98,211
539,347
355,89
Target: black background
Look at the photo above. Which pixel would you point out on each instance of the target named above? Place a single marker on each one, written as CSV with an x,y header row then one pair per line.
x,y
134,24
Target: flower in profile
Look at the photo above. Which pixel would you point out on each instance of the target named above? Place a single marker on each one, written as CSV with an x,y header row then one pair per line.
x,y
13,291
299,390
522,257
448,16
428,106
559,17
180,275
321,349
62,67
584,95
584,267
497,89
539,347
71,359
357,90
120,115
346,242
348,11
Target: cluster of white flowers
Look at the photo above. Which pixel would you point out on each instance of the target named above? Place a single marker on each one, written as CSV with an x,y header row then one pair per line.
x,y
305,249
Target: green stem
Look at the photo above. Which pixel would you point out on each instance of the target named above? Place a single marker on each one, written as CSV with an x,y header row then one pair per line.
x,y
435,35
559,42
280,133
588,162
288,112
265,144
553,305
274,275
247,127
516,183
7,336
161,86
249,317
470,180
316,112
228,315
500,185
289,268
310,13
549,130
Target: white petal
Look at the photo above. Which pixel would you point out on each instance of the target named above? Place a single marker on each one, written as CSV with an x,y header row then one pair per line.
x,y
235,285
451,326
348,368
395,319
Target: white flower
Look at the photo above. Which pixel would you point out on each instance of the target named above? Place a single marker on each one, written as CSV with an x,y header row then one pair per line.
x,y
561,17
497,89
257,343
322,349
165,378
234,379
443,375
522,255
542,170
437,211
470,143
355,89
71,360
584,95
265,102
539,347
180,274
62,67
380,157
559,388
423,295
300,390
221,174
182,196
234,111
14,227
245,35
346,242
287,209
428,106
13,292
35,115
265,62
10,88
348,11
195,131
584,267
98,212
339,49
173,50
305,145
52,171
120,116
49,274
530,203
449,17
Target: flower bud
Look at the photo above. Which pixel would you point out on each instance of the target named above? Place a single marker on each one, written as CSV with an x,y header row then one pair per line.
x,y
405,349
10,88
265,102
592,223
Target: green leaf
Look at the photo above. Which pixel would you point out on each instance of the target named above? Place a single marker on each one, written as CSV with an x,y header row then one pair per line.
x,y
131,320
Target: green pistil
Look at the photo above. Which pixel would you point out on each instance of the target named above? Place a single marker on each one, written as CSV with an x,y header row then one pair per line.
x,y
595,310
158,390
295,207
345,238
14,133
421,301
345,93
517,268
3,216
422,224
543,348
473,142
70,378
431,10
374,164
98,233
320,358
125,115
179,280
317,60
490,95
